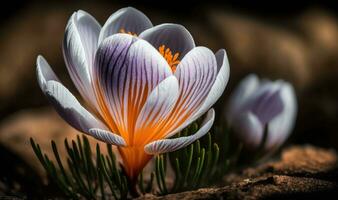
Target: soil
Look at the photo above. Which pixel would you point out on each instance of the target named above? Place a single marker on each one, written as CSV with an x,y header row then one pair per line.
x,y
302,172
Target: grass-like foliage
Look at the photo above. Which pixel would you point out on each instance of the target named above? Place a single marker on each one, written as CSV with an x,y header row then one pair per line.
x,y
194,166
85,176
97,176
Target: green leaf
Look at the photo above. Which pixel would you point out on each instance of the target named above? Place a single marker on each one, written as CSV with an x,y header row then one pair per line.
x,y
99,176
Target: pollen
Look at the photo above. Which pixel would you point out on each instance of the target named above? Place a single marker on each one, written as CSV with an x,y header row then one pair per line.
x,y
122,30
172,60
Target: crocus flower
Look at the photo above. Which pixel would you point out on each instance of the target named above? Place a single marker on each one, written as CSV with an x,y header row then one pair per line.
x,y
141,84
258,105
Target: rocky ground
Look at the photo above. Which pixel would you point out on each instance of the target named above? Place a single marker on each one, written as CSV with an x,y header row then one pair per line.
x,y
302,172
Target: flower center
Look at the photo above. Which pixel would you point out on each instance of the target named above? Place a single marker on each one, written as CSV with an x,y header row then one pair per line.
x,y
122,30
172,60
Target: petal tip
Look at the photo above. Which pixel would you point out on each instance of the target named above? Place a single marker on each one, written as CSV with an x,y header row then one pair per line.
x,y
39,60
108,137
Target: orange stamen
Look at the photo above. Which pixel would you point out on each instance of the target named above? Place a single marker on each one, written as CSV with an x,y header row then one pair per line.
x,y
122,30
172,60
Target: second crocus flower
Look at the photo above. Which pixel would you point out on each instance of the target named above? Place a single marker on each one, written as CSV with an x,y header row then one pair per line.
x,y
259,105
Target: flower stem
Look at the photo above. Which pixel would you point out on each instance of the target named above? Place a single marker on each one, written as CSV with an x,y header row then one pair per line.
x,y
132,184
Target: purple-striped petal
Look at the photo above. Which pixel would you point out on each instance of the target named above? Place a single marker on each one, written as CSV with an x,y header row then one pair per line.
x,y
158,104
169,145
174,36
219,85
128,69
196,75
79,47
126,19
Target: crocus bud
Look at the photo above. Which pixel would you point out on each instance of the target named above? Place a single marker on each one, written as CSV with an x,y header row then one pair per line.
x,y
257,106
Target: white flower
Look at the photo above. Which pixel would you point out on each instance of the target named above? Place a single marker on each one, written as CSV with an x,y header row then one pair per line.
x,y
143,84
257,104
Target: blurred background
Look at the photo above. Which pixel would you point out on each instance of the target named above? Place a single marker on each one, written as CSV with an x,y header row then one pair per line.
x,y
297,42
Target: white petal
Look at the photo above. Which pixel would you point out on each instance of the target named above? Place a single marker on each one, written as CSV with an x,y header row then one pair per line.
x,y
129,19
107,137
65,103
70,109
79,47
240,96
44,72
173,36
282,125
248,129
159,103
219,85
169,145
